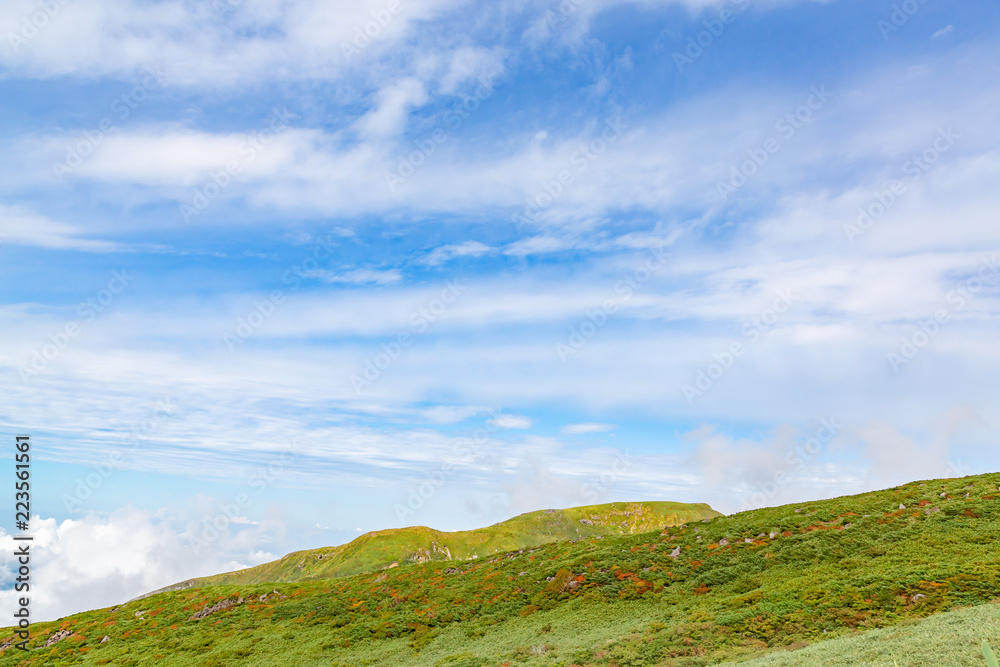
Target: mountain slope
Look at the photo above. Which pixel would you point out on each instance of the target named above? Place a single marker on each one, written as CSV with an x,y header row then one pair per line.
x,y
384,549
759,583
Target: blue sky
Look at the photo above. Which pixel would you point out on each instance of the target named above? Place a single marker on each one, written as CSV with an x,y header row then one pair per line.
x,y
263,273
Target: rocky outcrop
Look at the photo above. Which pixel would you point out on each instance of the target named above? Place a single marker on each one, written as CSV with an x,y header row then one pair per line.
x,y
57,637
215,608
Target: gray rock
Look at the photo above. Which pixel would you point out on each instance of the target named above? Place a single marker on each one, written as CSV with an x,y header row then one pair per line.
x,y
675,553
217,607
774,534
723,542
57,637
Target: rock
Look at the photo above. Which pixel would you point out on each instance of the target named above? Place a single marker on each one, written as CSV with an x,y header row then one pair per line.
x,y
723,542
918,597
521,574
139,614
5,646
106,639
587,522
760,536
902,506
774,534
57,637
748,540
217,607
675,553
451,570
574,584
550,578
944,494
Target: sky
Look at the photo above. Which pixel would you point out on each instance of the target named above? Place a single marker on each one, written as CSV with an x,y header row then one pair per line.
x,y
275,273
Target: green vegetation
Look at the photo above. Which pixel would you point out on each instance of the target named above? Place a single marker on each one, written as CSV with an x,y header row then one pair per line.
x,y
385,549
848,580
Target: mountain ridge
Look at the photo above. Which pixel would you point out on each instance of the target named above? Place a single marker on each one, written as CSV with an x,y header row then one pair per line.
x,y
391,547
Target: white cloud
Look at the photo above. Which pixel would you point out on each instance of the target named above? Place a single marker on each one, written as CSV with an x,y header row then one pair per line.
x,y
358,276
512,421
441,255
257,40
19,226
98,562
586,428
394,103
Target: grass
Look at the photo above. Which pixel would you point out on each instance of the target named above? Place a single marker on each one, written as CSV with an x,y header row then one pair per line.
x,y
849,579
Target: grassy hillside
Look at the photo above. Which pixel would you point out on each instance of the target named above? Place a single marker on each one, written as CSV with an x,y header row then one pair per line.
x,y
950,639
762,584
384,549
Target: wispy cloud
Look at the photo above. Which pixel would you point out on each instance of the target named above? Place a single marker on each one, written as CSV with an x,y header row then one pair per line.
x,y
358,276
19,226
445,253
586,428
512,422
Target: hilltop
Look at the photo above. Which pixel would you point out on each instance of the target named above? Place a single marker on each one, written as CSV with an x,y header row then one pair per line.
x,y
764,583
384,549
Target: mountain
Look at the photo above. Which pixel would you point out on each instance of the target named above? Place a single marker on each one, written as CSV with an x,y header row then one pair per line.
x,y
762,583
383,549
